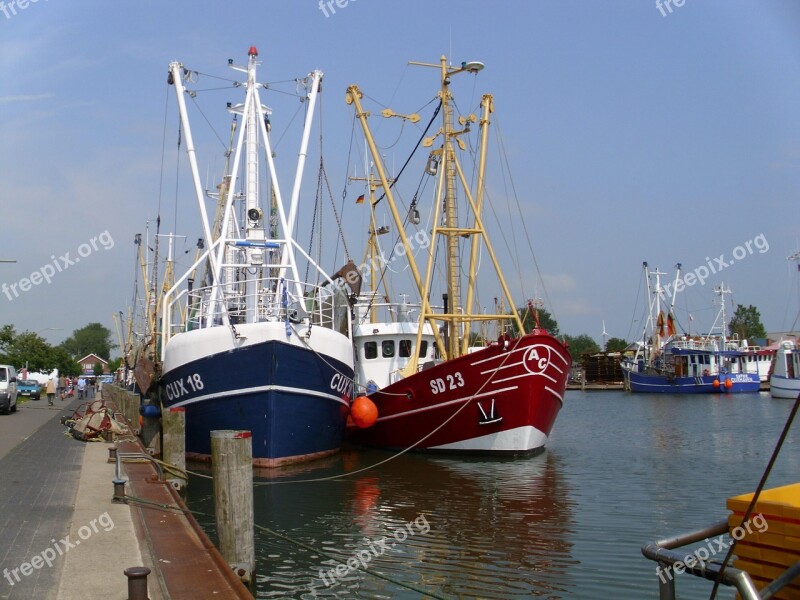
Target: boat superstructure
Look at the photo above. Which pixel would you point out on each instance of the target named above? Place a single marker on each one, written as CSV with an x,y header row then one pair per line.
x,y
260,347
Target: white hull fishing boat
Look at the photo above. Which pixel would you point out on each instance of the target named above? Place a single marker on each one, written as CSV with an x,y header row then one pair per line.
x,y
785,379
259,348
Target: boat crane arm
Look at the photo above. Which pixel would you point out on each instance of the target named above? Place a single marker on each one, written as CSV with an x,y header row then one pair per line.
x,y
176,79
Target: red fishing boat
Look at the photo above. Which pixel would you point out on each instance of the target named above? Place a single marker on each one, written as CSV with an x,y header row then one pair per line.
x,y
434,387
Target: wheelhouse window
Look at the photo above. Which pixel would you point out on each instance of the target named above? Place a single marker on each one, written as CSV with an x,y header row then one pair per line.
x,y
405,348
371,350
423,349
387,348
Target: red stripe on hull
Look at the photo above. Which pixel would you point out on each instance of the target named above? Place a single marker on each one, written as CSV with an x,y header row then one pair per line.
x,y
489,391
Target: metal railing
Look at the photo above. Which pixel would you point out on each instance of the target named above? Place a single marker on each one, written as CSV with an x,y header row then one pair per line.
x,y
263,299
663,552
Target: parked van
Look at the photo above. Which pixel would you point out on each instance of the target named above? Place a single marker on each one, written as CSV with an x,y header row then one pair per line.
x,y
8,389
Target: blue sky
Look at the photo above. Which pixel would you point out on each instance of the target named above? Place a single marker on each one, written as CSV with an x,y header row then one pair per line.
x,y
631,136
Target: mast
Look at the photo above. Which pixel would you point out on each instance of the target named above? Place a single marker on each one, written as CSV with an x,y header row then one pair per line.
x,y
372,256
353,96
443,162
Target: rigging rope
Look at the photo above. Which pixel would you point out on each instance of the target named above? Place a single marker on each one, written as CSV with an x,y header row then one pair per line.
x,y
408,160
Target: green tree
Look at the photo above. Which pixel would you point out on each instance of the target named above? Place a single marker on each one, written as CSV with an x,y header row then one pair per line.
x,y
113,364
546,321
582,344
29,350
97,369
65,363
616,345
94,338
746,322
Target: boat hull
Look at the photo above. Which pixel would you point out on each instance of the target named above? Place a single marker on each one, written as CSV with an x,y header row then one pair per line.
x,y
293,398
703,384
503,399
784,387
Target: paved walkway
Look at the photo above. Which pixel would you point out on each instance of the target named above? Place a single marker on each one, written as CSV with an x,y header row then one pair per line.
x,y
38,485
62,537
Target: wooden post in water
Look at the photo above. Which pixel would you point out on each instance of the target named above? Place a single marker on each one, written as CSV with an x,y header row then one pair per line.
x,y
173,423
232,469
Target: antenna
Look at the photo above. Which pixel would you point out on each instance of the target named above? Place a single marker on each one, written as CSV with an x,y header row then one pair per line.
x,y
605,336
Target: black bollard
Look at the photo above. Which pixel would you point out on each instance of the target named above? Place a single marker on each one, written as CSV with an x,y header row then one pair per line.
x,y
137,582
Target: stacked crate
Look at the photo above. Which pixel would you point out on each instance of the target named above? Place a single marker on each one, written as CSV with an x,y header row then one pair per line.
x,y
769,542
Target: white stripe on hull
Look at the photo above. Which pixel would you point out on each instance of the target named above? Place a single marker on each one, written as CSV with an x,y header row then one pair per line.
x,y
520,439
263,388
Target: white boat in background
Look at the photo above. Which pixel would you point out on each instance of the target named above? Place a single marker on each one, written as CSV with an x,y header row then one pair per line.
x,y
755,359
785,379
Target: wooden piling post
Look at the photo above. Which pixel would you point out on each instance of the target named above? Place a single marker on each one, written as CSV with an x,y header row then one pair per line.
x,y
232,469
132,403
173,423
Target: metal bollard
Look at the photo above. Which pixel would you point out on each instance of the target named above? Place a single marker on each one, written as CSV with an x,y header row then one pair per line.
x,y
137,582
112,454
119,491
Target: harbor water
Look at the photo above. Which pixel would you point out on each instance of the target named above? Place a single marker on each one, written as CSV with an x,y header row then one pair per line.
x,y
621,469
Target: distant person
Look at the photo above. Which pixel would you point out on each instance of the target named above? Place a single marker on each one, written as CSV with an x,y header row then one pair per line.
x,y
81,388
50,390
62,387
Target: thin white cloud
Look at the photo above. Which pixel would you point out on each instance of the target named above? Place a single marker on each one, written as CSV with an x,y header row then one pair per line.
x,y
25,98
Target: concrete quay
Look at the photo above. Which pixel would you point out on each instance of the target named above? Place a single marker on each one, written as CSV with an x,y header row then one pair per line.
x,y
63,537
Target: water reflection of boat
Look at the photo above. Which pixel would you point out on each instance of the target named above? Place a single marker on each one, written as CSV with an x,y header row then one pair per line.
x,y
498,529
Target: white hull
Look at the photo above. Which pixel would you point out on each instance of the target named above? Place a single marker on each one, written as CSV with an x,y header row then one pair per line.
x,y
781,387
513,440
190,346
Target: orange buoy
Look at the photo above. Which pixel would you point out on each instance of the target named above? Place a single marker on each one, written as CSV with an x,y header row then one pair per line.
x,y
364,412
716,383
728,384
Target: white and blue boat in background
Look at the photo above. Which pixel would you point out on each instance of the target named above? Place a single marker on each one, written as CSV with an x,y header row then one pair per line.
x,y
256,347
668,363
785,379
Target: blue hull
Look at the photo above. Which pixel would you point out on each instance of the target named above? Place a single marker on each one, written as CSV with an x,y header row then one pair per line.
x,y
661,384
294,401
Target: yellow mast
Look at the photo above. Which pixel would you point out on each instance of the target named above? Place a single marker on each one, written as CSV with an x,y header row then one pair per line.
x,y
371,253
455,315
353,96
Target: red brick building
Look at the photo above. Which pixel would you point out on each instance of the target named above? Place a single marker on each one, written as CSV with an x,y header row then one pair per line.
x,y
88,362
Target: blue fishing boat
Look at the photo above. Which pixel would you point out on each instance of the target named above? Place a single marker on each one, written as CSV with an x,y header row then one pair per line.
x,y
669,363
258,347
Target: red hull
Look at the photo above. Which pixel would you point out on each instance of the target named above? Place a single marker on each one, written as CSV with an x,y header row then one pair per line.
x,y
501,399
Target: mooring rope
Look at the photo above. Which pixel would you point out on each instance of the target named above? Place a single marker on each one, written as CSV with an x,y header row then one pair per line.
x,y
291,540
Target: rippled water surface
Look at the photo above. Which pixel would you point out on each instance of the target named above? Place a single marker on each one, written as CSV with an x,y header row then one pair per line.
x,y
620,470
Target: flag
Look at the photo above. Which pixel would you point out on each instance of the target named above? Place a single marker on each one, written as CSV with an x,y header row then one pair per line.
x,y
360,199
